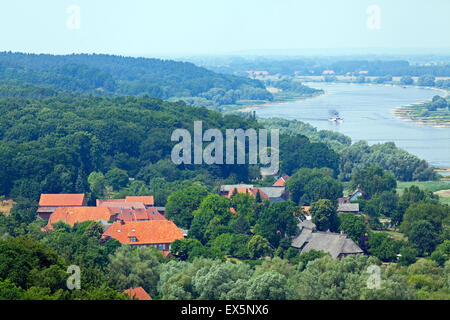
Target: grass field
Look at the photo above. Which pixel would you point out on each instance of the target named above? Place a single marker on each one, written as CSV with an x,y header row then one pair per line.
x,y
441,188
5,206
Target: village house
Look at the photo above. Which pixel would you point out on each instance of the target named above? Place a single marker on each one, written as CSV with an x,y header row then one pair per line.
x,y
275,194
137,294
117,207
147,201
355,195
253,192
348,208
281,182
338,245
154,233
139,214
49,202
72,215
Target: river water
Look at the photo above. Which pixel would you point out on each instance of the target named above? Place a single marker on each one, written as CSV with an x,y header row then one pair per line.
x,y
367,114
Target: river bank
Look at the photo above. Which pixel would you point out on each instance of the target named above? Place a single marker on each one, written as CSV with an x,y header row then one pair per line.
x,y
367,113
256,106
403,113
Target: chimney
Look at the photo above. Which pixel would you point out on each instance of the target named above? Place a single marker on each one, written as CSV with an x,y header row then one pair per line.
x,y
342,233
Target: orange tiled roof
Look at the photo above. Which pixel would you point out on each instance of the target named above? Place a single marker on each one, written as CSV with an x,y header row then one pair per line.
x,y
99,202
72,215
281,182
306,209
262,193
140,214
248,191
55,200
146,232
121,205
138,293
147,200
238,190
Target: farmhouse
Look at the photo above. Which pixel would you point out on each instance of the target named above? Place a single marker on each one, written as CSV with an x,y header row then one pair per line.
x,y
348,208
154,233
275,194
72,215
338,245
49,202
147,201
117,207
281,182
139,214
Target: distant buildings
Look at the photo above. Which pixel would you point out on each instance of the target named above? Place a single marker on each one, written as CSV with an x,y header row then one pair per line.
x,y
133,220
72,215
275,194
253,73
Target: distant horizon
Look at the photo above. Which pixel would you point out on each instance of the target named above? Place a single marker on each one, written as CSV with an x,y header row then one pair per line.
x,y
272,53
224,27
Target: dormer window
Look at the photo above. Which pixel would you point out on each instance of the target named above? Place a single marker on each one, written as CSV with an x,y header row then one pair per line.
x,y
133,239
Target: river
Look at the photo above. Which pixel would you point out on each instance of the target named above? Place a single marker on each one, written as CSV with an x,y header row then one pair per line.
x,y
367,113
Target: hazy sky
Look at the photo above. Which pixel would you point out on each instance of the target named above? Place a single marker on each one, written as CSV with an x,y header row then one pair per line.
x,y
176,27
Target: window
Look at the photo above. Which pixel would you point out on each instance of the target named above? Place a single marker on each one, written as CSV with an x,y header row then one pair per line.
x,y
132,239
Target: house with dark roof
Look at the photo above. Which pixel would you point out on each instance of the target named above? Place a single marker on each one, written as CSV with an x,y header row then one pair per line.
x,y
348,208
49,202
338,245
137,294
355,195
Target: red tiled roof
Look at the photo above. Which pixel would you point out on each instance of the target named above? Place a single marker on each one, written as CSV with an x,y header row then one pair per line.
x,y
281,182
140,214
146,232
55,200
238,190
115,205
138,293
72,215
248,191
99,202
262,193
146,200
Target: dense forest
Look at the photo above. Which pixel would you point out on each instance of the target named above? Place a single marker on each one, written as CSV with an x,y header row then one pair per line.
x,y
114,75
52,145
